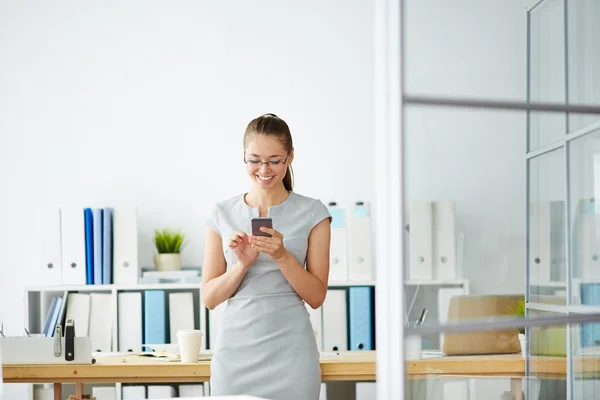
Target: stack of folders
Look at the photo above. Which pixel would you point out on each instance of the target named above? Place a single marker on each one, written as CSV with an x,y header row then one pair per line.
x,y
135,392
142,317
91,313
351,257
89,246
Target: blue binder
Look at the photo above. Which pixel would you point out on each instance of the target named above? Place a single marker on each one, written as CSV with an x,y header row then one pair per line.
x,y
155,327
97,214
361,317
590,333
107,246
89,246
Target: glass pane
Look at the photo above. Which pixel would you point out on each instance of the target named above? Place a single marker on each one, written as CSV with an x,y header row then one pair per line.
x,y
547,244
586,345
583,31
584,180
548,359
547,71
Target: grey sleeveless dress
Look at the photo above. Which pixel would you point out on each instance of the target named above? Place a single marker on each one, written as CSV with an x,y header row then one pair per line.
x,y
266,345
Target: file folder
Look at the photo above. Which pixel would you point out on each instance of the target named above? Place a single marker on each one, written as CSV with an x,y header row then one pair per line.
x,y
130,321
316,320
97,240
444,240
339,246
421,240
101,322
160,392
360,254
73,246
107,246
361,317
89,245
154,317
50,246
125,246
181,313
78,309
335,311
191,390
539,241
134,392
104,392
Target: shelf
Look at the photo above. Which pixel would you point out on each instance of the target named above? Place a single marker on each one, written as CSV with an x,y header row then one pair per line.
x,y
109,288
437,282
351,283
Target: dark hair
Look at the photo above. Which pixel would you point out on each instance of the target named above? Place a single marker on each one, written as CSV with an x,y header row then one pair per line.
x,y
272,125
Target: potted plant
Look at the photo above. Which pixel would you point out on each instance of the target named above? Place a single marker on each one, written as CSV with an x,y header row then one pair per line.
x,y
518,309
168,246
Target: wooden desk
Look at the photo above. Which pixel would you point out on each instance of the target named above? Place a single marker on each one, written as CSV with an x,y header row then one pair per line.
x,y
350,366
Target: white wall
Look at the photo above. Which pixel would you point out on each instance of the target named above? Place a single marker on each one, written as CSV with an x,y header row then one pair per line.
x,y
473,49
146,102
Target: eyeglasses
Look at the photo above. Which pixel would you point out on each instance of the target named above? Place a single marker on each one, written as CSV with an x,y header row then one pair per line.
x,y
272,163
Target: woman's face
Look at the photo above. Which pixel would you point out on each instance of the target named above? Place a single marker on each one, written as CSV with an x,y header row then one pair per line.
x,y
266,160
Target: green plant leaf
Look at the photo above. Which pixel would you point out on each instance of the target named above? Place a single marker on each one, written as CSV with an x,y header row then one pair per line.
x,y
168,242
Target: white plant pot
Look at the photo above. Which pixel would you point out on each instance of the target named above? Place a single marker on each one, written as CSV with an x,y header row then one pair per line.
x,y
167,262
522,341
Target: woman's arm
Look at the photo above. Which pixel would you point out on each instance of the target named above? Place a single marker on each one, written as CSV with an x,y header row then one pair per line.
x,y
310,283
218,284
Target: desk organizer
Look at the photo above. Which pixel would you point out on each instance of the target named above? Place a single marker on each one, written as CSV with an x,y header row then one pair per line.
x,y
40,350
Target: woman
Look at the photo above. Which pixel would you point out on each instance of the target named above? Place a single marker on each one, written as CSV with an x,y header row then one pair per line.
x,y
266,344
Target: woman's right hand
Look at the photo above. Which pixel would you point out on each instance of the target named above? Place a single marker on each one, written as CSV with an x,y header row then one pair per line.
x,y
242,248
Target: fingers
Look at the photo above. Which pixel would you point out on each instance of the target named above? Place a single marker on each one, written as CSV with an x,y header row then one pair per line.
x,y
237,238
271,231
264,247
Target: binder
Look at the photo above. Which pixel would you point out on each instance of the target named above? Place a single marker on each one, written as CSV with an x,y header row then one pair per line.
x,y
154,317
421,240
78,309
101,322
48,318
214,324
89,246
50,246
360,254
161,392
97,241
191,390
130,321
181,313
104,392
134,392
361,317
107,246
316,320
40,393
368,391
590,333
539,239
444,240
73,246
335,311
125,245
338,262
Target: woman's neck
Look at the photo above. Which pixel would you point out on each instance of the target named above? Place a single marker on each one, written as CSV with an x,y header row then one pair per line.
x,y
266,198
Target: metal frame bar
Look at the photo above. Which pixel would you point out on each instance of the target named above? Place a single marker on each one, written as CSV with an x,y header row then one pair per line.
x,y
560,309
590,129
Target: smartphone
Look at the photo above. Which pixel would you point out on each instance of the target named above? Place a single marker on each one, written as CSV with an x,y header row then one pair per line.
x,y
261,221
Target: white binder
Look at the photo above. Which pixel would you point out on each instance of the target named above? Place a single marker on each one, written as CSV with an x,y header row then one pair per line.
x,y
421,240
540,252
73,246
444,240
104,392
100,322
50,246
40,393
161,392
196,390
317,323
366,391
134,392
214,323
335,320
338,259
78,309
181,313
360,254
125,246
130,321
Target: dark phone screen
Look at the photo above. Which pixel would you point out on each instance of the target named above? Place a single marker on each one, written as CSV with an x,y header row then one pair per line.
x,y
257,223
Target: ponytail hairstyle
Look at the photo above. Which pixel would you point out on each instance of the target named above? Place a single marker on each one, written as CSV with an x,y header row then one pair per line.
x,y
272,125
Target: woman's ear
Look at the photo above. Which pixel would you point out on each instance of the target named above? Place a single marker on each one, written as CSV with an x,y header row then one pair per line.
x,y
291,156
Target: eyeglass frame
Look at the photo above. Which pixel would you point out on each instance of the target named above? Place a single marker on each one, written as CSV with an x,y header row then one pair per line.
x,y
269,162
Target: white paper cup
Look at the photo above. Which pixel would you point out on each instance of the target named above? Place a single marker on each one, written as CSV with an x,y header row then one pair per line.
x,y
413,347
189,345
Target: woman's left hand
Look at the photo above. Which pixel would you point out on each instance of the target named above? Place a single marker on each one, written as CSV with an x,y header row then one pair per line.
x,y
273,246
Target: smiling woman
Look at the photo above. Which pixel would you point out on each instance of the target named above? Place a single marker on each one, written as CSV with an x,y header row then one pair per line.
x,y
267,281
